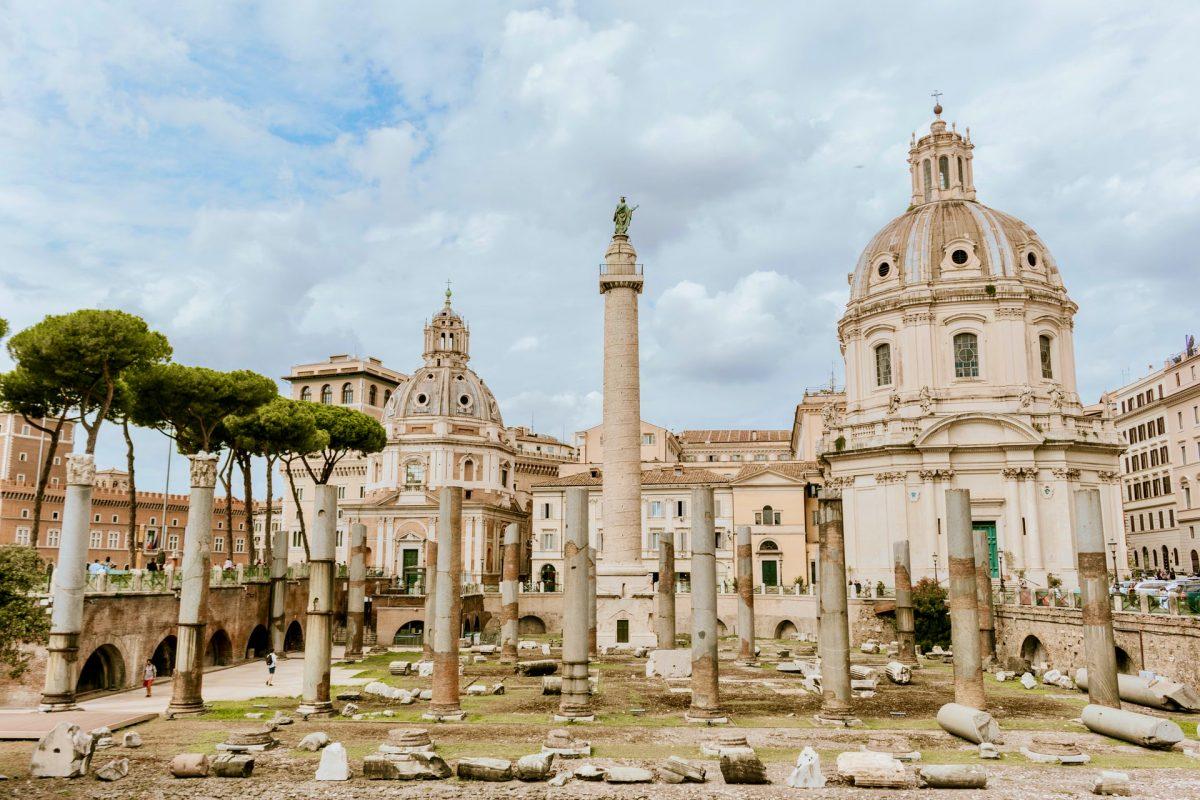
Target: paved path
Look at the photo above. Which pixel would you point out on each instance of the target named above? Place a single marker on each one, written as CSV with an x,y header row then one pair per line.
x,y
242,682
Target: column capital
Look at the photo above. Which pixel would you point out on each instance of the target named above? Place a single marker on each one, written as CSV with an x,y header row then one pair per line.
x,y
203,470
81,469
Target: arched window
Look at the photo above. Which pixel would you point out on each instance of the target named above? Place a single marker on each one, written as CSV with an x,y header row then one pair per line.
x,y
1155,554
966,355
414,475
768,545
347,394
1187,493
387,395
468,470
1146,557
768,516
504,474
944,172
1135,558
928,175
1195,563
306,394
372,395
883,364
1044,346
961,180
1175,556
549,577
327,394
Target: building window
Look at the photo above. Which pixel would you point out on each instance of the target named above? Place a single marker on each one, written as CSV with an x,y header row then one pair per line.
x,y
414,475
883,364
347,394
306,394
679,507
966,355
372,395
23,457
927,174
173,541
96,540
656,509
504,475
297,539
768,516
52,537
22,536
24,513
341,492
387,395
218,544
647,438
1044,354
549,540
547,511
327,394
944,172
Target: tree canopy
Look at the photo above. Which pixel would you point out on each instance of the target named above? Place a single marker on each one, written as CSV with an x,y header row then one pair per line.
x,y
23,620
277,428
931,615
191,403
348,431
84,354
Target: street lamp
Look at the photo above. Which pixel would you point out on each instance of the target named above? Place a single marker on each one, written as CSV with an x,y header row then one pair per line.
x,y
935,572
1112,545
1000,564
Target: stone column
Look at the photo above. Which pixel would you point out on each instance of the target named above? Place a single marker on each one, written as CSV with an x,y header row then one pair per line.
x,y
964,614
70,582
1098,644
745,590
905,627
447,627
622,575
356,591
279,565
706,700
431,562
576,700
1034,561
509,590
593,649
665,612
983,596
834,621
318,634
188,679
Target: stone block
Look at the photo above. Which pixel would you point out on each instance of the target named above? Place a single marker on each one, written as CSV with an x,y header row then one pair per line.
x,y
628,775
898,673
313,741
349,710
678,770
400,667
425,669
535,767
589,772
335,764
232,765
63,752
952,776
742,767
669,664
988,751
1112,783
533,669
807,773
1028,681
132,739
189,765
114,770
485,769
560,742
869,769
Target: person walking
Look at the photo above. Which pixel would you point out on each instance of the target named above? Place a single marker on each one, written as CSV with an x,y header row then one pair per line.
x,y
149,673
271,662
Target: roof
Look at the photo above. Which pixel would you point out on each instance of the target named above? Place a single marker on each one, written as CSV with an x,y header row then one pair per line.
x,y
734,436
666,476
791,469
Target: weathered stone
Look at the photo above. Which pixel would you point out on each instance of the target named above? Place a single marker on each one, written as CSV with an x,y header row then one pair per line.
x,y
132,739
1112,783
1129,726
1052,751
232,765
875,770
552,685
63,752
335,764
970,723
249,740
189,765
560,742
560,779
352,696
485,769
1028,681
807,773
410,767
349,710
589,772
1051,676
628,775
103,742
989,751
114,770
280,719
678,770
726,741
477,690
313,741
425,669
535,767
898,747
670,664
407,740
898,673
860,672
533,669
742,767
254,715
400,667
952,776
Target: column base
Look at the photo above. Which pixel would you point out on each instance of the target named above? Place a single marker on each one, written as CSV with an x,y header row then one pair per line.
x,y
444,716
185,709
558,716
307,710
701,717
832,721
51,707
747,663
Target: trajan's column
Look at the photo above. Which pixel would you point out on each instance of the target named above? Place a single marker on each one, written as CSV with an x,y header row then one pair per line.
x,y
622,581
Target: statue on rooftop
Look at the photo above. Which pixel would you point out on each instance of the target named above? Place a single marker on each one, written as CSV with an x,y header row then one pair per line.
x,y
622,217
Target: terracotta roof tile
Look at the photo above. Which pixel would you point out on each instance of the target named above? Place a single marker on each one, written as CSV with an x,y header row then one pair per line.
x,y
663,476
735,436
792,469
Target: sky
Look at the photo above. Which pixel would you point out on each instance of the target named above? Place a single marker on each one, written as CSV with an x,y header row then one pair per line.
x,y
272,183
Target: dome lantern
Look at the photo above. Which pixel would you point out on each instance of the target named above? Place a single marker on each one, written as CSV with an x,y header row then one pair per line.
x,y
940,164
447,338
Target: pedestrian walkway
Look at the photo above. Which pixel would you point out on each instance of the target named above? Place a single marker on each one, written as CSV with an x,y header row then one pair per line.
x,y
119,710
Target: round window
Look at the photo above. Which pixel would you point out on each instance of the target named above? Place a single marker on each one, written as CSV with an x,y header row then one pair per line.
x,y
464,400
1031,257
422,399
959,256
884,269
429,377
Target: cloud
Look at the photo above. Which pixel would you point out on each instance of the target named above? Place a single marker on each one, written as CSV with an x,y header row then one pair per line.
x,y
525,344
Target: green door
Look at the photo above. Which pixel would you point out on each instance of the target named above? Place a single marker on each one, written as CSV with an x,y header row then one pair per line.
x,y
770,572
409,569
989,528
622,631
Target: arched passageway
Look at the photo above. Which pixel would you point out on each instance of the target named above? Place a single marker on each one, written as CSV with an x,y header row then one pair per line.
x,y
1125,664
164,657
786,630
531,625
258,644
293,638
410,633
103,671
1033,651
219,651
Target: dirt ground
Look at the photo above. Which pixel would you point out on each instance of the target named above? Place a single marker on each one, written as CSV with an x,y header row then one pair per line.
x,y
639,723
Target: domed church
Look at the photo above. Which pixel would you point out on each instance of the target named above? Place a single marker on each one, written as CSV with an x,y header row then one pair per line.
x,y
960,373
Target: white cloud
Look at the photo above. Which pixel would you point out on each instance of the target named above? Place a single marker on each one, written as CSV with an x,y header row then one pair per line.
x,y
525,344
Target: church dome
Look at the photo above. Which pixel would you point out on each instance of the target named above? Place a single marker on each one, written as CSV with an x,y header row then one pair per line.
x,y
946,234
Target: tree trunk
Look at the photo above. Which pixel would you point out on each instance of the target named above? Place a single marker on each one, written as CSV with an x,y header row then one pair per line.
x,y
227,482
299,511
268,517
39,495
133,499
245,463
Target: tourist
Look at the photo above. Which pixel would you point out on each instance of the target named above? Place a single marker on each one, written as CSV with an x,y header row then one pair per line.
x,y
228,564
95,568
108,564
271,661
149,673
152,566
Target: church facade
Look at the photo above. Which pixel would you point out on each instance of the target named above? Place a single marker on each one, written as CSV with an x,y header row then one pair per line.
x,y
960,373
